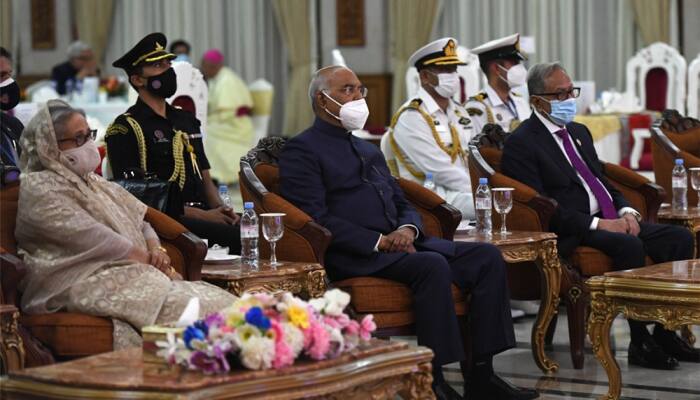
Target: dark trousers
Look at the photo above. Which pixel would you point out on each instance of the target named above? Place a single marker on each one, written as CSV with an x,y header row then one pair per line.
x,y
658,241
476,267
222,234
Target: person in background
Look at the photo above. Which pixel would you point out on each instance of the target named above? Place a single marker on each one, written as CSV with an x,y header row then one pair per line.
x,y
181,49
155,137
10,127
229,127
81,63
430,133
502,63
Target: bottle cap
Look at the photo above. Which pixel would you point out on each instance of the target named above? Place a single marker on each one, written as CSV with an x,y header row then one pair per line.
x,y
248,205
429,175
223,188
483,181
679,161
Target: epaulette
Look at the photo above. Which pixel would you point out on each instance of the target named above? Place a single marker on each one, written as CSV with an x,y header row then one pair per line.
x,y
415,103
116,128
480,97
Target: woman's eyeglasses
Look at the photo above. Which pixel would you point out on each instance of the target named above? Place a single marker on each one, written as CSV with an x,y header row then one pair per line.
x,y
81,138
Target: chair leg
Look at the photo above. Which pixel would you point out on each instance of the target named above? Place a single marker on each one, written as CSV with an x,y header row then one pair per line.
x,y
549,336
576,306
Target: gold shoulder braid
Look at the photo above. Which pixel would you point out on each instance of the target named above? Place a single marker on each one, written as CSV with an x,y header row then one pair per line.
x,y
489,114
181,142
140,141
455,151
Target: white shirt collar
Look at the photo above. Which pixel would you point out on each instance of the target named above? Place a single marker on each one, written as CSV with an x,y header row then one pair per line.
x,y
551,126
495,98
431,106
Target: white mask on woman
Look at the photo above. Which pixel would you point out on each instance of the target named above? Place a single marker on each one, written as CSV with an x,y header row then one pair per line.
x,y
81,160
448,84
353,114
515,75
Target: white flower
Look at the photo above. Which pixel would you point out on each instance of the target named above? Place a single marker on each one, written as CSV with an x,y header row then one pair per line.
x,y
337,301
258,353
173,349
294,338
318,303
244,333
337,341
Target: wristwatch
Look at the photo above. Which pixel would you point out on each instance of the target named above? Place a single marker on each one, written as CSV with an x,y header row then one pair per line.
x,y
635,214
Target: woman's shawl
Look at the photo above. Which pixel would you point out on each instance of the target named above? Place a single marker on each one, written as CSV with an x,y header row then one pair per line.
x,y
68,226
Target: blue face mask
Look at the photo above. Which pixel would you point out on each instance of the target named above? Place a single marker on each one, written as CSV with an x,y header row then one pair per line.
x,y
562,112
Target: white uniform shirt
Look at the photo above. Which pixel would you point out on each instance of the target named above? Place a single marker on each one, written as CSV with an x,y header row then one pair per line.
x,y
415,140
517,107
592,200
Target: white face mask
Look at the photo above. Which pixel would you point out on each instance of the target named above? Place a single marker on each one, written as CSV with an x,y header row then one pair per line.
x,y
448,84
515,75
353,114
81,160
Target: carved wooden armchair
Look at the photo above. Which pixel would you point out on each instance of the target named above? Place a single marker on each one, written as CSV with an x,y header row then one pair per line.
x,y
64,335
674,136
305,240
533,211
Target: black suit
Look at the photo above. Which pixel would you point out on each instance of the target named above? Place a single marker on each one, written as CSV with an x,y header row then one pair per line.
x,y
533,157
344,184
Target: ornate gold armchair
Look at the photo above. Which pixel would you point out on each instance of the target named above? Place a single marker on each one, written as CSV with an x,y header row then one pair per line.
x,y
305,240
533,211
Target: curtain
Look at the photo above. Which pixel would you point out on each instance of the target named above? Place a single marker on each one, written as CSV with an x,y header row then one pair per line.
x,y
6,25
94,20
410,27
294,20
245,31
652,18
593,39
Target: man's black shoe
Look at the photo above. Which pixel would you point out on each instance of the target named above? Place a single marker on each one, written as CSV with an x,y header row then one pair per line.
x,y
676,346
444,391
648,354
496,388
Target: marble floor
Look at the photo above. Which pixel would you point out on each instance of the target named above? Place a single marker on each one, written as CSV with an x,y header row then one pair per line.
x,y
590,382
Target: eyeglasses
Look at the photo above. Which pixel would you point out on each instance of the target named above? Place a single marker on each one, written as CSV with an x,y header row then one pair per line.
x,y
82,138
350,90
563,94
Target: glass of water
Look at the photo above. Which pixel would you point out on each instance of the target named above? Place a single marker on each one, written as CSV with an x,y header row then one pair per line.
x,y
503,203
695,181
273,229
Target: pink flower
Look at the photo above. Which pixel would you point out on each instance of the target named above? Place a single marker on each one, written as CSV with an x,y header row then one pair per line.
x,y
352,328
343,320
367,326
283,355
330,321
318,341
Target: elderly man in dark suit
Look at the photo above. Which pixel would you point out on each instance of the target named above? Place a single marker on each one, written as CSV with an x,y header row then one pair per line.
x,y
556,157
344,183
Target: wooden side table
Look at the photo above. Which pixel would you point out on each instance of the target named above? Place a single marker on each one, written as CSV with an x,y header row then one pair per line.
x,y
541,248
303,279
667,293
689,219
379,370
11,345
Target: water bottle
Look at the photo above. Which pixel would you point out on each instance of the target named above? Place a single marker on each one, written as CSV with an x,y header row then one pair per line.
x,y
679,183
482,199
249,236
429,183
225,197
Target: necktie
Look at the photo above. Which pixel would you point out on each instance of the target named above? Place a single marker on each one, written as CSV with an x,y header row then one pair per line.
x,y
604,202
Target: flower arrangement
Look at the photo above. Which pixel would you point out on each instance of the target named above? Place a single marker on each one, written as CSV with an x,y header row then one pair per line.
x,y
260,331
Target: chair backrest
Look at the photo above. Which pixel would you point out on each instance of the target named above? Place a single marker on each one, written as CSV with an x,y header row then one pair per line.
x,y
9,195
656,74
192,93
694,88
674,136
470,77
531,211
263,94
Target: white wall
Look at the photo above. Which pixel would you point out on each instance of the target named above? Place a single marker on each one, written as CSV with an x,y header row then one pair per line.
x,y
40,62
691,29
373,57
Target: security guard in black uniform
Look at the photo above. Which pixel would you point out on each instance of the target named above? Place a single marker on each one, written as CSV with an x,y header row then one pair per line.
x,y
155,137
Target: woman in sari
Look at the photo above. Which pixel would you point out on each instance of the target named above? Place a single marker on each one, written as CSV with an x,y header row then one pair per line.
x,y
84,239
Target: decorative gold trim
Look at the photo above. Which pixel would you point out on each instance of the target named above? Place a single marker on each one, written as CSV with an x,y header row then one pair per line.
x,y
550,276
